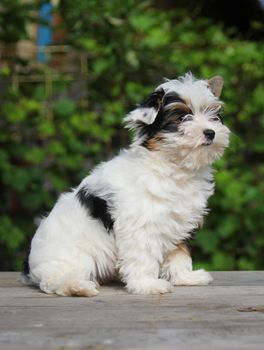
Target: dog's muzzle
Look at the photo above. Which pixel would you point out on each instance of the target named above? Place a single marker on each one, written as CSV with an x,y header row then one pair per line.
x,y
209,134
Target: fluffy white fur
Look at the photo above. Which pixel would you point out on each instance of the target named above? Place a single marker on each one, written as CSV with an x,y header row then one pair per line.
x,y
156,199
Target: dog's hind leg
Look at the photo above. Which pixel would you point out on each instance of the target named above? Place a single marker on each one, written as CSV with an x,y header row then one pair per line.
x,y
70,287
177,269
56,277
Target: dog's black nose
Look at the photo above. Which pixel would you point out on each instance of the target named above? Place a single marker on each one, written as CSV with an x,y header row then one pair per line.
x,y
209,134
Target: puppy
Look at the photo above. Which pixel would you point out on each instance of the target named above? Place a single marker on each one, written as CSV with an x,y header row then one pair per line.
x,y
132,216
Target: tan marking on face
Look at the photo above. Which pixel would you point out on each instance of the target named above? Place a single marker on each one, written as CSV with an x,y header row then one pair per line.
x,y
153,143
179,106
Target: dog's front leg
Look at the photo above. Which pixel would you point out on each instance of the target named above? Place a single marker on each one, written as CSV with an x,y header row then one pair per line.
x,y
139,263
177,268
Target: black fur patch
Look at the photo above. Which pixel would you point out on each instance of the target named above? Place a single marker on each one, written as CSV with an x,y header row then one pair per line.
x,y
25,266
154,100
167,120
97,208
172,97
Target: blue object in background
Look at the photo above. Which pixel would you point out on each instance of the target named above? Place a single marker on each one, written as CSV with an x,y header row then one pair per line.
x,y
44,35
261,3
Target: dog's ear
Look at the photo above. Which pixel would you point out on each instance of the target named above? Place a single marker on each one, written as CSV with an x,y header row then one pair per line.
x,y
216,85
146,112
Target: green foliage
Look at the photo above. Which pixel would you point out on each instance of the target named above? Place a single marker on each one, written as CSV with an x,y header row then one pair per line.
x,y
14,16
131,47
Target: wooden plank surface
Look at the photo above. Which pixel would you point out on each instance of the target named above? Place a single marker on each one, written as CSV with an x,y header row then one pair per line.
x,y
229,314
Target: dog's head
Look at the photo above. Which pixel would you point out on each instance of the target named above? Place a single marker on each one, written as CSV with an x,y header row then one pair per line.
x,y
181,119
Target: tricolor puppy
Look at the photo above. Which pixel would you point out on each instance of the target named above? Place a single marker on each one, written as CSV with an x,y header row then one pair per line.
x,y
132,216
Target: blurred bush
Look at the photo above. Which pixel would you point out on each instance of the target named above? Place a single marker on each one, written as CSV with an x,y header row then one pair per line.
x,y
131,47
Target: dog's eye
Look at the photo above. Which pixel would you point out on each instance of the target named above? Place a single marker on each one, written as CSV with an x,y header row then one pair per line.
x,y
187,118
217,118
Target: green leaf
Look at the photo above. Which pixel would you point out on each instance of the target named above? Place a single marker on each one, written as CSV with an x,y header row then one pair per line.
x,y
64,107
10,234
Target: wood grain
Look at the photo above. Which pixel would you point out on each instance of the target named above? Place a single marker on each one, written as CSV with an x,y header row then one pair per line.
x,y
225,315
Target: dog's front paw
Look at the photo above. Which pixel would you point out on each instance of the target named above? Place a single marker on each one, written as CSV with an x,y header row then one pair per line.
x,y
149,286
192,278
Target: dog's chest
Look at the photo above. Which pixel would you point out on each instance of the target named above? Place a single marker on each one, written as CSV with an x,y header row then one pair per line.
x,y
180,203
191,200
